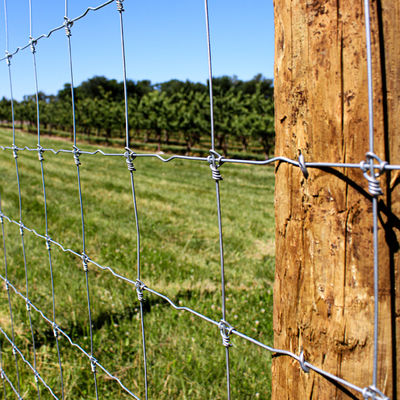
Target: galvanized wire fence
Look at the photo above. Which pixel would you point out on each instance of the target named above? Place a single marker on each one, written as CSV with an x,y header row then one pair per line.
x,y
372,168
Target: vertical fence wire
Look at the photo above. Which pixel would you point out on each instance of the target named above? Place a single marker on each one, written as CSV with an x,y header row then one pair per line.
x,y
19,195
76,154
224,326
48,246
375,196
3,380
129,158
33,50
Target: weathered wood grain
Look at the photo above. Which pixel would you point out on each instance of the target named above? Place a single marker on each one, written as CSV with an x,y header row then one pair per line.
x,y
323,295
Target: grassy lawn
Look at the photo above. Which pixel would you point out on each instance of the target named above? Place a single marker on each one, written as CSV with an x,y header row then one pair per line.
x,y
180,258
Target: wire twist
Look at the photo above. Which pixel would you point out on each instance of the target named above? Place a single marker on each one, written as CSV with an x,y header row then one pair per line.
x,y
139,289
55,329
85,260
374,186
93,364
130,156
40,151
215,161
225,329
68,25
76,152
120,6
32,44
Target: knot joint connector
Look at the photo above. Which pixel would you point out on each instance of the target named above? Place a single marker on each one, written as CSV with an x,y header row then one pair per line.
x,y
93,364
368,167
55,329
68,24
225,329
120,6
76,154
15,151
40,153
215,161
130,156
85,261
139,289
33,44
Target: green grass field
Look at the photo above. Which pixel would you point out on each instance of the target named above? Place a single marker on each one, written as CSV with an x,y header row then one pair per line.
x,y
180,258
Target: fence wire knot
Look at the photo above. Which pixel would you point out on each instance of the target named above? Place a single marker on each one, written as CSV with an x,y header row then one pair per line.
x,y
68,24
215,161
8,58
40,152
370,175
371,392
33,44
302,165
302,362
36,376
85,260
28,305
48,241
130,156
93,364
1,218
21,228
120,6
76,154
2,374
225,329
139,289
15,151
55,329
14,349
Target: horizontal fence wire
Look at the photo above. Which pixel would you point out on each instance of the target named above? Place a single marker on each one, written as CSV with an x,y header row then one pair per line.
x,y
371,168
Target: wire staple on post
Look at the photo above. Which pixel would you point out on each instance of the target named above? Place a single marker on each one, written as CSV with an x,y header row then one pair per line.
x,y
130,156
302,165
215,161
303,363
225,329
374,186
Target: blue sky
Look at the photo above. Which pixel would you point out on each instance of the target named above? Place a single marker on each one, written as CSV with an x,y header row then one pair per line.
x,y
164,39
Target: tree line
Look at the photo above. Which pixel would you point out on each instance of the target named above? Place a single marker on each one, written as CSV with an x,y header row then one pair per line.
x,y
168,112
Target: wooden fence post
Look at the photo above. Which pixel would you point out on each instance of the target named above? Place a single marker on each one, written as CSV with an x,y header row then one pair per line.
x,y
323,294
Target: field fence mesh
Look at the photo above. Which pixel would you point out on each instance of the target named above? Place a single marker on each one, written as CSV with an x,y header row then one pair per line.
x,y
372,167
